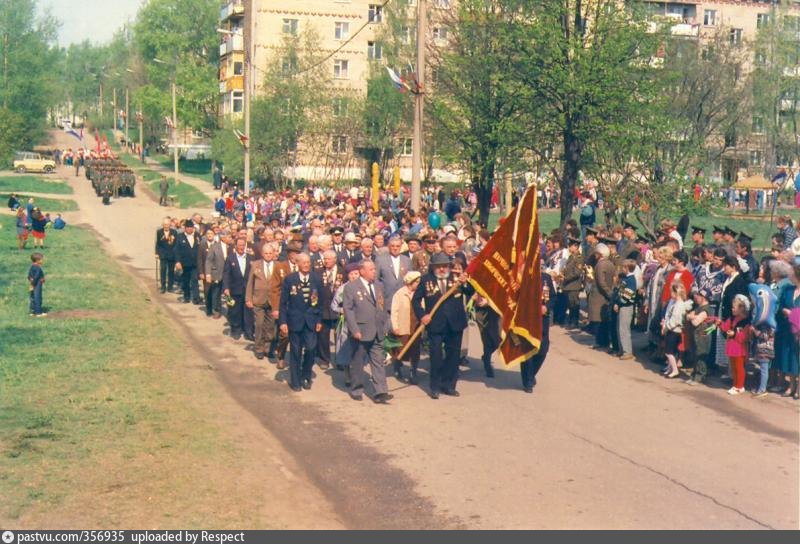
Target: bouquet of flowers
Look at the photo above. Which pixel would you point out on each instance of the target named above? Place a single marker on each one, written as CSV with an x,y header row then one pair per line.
x,y
228,301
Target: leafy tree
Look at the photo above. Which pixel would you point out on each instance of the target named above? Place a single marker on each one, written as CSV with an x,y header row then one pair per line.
x,y
182,34
27,76
586,67
12,136
776,86
476,98
291,109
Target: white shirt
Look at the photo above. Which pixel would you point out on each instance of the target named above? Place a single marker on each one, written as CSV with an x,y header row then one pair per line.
x,y
242,262
267,269
396,266
367,284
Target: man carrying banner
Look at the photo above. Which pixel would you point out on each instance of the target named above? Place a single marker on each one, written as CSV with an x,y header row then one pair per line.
x,y
508,270
438,304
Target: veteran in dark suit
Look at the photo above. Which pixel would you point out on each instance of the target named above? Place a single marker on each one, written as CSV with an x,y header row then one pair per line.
x,y
234,285
165,251
299,318
445,327
186,248
366,316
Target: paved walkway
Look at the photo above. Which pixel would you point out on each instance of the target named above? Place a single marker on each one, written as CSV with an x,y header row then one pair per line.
x,y
601,443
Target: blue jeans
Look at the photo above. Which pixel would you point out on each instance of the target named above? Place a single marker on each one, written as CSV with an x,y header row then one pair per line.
x,y
36,300
764,367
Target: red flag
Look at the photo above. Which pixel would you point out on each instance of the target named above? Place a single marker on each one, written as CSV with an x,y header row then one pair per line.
x,y
507,272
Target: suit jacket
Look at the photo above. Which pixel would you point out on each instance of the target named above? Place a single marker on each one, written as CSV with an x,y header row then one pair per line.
x,y
165,245
259,289
317,263
280,272
215,262
184,253
739,286
233,278
295,311
391,283
202,254
329,289
451,315
364,315
343,258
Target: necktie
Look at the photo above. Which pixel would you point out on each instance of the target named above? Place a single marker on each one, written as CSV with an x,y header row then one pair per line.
x,y
371,292
268,270
442,286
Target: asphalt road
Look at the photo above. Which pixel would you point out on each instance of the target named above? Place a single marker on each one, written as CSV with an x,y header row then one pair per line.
x,y
600,444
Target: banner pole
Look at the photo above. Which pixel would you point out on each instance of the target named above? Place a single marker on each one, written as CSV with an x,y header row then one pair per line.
x,y
421,327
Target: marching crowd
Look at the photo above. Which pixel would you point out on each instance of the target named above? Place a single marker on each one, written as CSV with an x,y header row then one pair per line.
x,y
317,277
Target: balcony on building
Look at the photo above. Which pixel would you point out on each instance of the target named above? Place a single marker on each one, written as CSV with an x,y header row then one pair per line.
x,y
234,8
231,43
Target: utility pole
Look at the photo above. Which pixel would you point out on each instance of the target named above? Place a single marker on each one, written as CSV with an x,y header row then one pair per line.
x,y
175,129
247,82
5,70
114,117
419,105
140,117
127,120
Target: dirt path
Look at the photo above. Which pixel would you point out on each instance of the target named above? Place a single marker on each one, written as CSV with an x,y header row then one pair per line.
x,y
601,443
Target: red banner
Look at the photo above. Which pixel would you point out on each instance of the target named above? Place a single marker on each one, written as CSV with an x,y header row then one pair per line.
x,y
508,274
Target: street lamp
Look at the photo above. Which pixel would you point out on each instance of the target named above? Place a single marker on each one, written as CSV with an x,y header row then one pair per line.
x,y
174,117
246,80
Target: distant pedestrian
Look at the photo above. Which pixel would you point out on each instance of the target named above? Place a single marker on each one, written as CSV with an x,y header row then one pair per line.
x,y
36,284
163,188
22,228
38,223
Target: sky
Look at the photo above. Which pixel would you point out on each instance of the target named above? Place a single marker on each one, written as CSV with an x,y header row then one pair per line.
x,y
95,20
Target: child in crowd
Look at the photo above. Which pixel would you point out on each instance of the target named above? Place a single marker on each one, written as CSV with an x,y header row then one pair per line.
x,y
36,284
58,222
672,327
736,330
697,323
623,299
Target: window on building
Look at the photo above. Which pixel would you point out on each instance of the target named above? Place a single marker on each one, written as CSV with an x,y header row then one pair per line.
x,y
405,34
710,17
791,22
407,147
443,4
339,144
374,51
434,75
288,66
340,67
237,101
290,26
238,68
440,34
375,13
735,36
289,143
286,106
341,30
758,124
339,107
756,157
760,58
762,20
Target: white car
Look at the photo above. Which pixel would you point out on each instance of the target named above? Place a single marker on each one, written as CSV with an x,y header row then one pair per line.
x,y
28,161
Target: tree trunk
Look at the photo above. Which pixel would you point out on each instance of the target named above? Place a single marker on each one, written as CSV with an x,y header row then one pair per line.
x,y
483,190
573,151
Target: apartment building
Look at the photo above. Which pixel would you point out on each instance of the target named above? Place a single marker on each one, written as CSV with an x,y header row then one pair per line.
x,y
348,31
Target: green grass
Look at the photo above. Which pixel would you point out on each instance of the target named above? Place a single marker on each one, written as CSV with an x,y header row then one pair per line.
x,y
33,184
757,226
98,398
197,168
45,204
186,195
